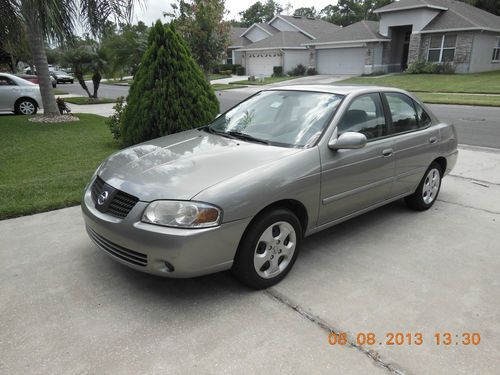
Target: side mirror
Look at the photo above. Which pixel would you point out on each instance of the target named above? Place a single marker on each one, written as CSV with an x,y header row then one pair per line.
x,y
348,140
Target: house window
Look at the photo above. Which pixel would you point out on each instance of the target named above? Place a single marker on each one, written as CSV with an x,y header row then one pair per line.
x,y
496,51
442,48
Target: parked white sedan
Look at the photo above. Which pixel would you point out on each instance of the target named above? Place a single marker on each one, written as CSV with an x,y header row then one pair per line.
x,y
19,95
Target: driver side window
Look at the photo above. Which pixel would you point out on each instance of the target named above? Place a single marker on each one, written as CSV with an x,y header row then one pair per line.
x,y
365,115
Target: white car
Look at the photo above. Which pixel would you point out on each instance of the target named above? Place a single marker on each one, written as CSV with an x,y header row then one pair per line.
x,y
19,95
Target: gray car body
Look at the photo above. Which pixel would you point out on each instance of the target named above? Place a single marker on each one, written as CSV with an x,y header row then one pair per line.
x,y
323,186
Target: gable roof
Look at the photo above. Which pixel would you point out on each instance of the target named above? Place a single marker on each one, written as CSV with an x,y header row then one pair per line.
x,y
312,27
282,39
454,15
362,31
235,38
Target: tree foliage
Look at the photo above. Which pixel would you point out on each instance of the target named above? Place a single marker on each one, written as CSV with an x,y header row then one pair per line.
x,y
310,12
201,23
347,12
260,12
169,93
492,6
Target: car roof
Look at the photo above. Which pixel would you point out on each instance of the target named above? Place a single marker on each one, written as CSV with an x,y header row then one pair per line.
x,y
337,88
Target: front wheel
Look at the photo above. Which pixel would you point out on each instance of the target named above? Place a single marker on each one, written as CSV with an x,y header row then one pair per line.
x,y
26,107
428,189
268,249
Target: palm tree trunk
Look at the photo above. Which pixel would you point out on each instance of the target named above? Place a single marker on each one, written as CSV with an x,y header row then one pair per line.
x,y
96,80
35,38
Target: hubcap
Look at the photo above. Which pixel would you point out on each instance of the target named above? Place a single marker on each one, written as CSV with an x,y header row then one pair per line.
x,y
27,108
431,186
275,249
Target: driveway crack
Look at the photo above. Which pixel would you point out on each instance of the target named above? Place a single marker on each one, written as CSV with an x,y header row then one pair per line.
x,y
372,354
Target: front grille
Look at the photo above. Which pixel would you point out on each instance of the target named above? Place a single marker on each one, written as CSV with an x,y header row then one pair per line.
x,y
121,203
120,252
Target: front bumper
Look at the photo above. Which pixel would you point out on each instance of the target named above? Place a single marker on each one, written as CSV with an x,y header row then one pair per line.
x,y
146,247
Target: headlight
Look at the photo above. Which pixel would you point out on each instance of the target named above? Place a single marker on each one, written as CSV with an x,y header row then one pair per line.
x,y
182,214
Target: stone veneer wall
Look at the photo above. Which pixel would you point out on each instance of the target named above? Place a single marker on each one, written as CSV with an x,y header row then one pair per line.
x,y
419,47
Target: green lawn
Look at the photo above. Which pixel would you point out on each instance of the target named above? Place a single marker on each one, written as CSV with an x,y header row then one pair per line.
x,y
46,166
484,83
86,100
221,87
266,81
60,92
214,76
115,81
464,99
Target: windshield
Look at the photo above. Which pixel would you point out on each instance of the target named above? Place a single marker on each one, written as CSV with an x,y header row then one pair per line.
x,y
286,118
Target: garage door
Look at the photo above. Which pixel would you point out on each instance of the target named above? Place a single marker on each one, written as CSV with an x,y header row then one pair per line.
x,y
341,61
262,63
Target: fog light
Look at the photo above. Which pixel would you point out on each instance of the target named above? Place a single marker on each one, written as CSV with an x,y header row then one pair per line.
x,y
169,267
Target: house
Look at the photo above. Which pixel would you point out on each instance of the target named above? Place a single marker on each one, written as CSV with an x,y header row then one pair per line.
x,y
279,42
408,30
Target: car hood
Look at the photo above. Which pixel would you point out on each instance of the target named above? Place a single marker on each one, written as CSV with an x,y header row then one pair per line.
x,y
180,166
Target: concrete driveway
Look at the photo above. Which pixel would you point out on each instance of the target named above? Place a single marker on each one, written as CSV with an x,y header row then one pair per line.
x,y
66,308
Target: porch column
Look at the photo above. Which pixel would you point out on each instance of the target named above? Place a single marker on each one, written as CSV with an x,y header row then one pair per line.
x,y
312,57
414,48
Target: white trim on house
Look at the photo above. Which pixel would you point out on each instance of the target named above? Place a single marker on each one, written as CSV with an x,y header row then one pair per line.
x,y
496,51
260,27
351,45
347,42
270,48
291,24
410,7
478,28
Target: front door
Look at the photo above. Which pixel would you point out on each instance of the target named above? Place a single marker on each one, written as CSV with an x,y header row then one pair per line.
x,y
353,180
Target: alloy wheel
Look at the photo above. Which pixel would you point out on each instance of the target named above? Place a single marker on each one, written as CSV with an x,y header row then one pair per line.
x,y
27,108
275,249
431,186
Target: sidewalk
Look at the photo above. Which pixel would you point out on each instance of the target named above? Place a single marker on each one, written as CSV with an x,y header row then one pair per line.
x,y
65,307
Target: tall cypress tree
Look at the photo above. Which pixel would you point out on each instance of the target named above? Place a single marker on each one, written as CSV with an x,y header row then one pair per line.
x,y
169,93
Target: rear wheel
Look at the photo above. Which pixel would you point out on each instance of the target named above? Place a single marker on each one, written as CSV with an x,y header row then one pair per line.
x,y
26,106
268,249
428,189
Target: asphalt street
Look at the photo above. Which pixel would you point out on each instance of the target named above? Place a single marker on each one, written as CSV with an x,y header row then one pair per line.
x,y
477,126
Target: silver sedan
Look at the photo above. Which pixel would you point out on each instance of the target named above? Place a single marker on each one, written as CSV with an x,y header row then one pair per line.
x,y
242,192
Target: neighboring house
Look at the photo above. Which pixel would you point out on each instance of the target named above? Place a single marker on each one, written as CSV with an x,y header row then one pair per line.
x,y
411,30
280,42
408,30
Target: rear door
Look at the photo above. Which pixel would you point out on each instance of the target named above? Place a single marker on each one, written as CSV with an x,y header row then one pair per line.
x,y
414,139
353,180
8,93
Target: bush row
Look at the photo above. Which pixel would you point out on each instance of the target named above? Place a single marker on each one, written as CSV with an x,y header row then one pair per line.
x,y
426,67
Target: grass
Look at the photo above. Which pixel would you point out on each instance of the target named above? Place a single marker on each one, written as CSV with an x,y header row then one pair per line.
x,y
481,83
60,92
221,87
213,76
46,166
115,81
266,81
463,99
86,100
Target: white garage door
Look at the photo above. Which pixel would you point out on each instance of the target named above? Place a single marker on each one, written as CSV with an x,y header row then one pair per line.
x,y
341,61
262,63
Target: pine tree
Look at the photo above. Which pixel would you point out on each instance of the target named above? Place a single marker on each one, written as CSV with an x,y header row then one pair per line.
x,y
169,93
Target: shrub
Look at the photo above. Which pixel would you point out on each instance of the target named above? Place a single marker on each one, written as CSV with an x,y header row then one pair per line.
x,y
240,70
277,71
311,71
62,106
226,72
232,67
426,67
299,70
169,93
114,121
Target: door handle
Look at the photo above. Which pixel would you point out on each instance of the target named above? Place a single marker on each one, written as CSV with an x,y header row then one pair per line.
x,y
387,152
433,140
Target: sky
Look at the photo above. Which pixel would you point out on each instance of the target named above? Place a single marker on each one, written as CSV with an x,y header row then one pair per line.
x,y
154,8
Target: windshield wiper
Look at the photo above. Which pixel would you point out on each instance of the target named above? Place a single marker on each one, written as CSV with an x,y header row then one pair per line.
x,y
247,137
209,129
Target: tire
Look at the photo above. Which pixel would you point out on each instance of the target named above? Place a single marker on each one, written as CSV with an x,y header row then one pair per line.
x,y
26,106
72,81
428,189
268,249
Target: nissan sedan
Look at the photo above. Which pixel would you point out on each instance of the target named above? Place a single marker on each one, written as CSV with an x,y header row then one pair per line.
x,y
242,192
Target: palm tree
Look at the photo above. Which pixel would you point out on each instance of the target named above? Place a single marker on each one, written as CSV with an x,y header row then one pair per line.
x,y
56,20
